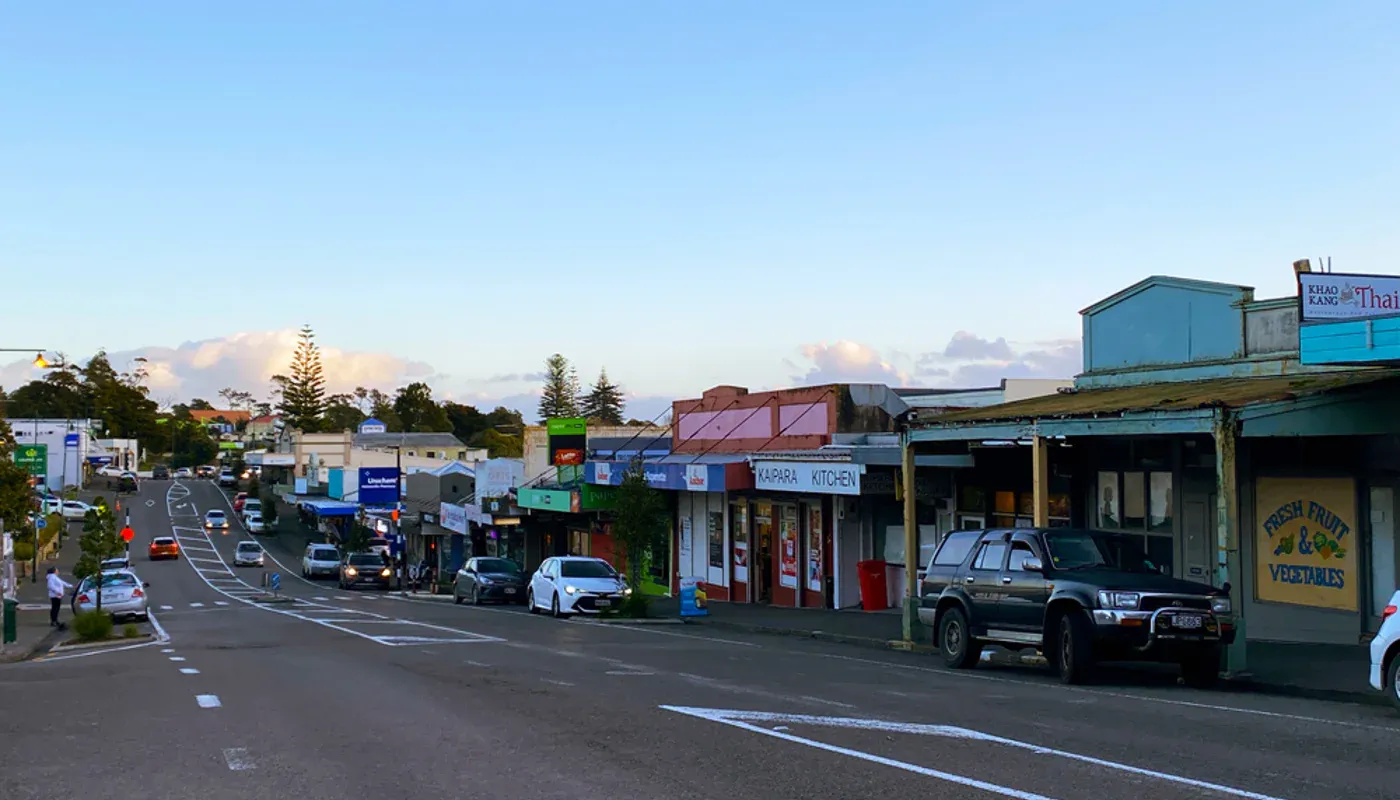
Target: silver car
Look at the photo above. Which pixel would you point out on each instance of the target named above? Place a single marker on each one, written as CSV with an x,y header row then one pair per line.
x,y
248,554
123,595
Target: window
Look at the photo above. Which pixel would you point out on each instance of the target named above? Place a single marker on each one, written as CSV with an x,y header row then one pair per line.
x,y
955,549
1159,517
1134,501
1020,552
991,556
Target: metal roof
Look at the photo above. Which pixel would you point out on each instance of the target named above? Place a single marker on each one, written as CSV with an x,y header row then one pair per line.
x,y
406,440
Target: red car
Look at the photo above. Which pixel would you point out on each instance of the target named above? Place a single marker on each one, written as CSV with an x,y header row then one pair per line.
x,y
238,501
164,547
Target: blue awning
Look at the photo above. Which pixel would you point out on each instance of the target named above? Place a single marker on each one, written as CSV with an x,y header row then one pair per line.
x,y
331,508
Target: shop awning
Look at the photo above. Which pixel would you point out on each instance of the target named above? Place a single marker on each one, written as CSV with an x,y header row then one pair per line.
x,y
677,472
331,508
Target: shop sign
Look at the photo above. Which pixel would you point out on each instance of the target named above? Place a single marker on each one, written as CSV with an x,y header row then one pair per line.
x,y
602,473
596,498
671,477
549,500
693,600
814,547
814,477
1306,542
378,486
697,478
373,425
495,477
568,440
454,517
34,458
279,459
1336,296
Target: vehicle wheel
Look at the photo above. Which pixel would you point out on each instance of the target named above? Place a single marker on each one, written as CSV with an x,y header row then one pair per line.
x,y
1074,649
476,595
456,596
530,602
1392,681
1201,670
554,607
955,642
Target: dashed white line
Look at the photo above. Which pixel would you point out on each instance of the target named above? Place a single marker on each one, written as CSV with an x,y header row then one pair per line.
x,y
177,659
238,759
220,602
167,608
188,671
196,605
556,683
207,700
168,650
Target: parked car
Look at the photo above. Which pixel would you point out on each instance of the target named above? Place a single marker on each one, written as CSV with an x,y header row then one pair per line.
x,y
184,472
227,478
120,562
123,594
215,519
75,509
575,584
1385,653
320,559
238,501
254,523
1078,596
128,483
379,546
160,472
489,579
164,547
364,569
50,505
248,554
251,506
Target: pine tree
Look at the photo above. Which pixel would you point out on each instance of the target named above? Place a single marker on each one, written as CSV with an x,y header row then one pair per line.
x,y
604,401
560,395
303,401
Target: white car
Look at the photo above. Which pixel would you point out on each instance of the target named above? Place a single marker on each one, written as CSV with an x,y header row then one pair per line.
x,y
50,505
254,523
120,562
214,518
320,559
75,509
251,506
184,472
1385,653
575,585
123,595
248,554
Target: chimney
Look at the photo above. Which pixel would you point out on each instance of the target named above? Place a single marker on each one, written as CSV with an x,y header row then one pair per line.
x,y
1301,266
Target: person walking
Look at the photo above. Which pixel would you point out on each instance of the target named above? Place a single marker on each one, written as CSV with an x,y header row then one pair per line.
x,y
57,585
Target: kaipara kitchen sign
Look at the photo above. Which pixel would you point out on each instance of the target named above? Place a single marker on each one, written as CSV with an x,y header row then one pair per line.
x,y
815,477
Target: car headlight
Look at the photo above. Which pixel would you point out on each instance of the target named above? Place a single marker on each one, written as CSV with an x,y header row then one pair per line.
x,y
384,573
571,590
351,571
1120,600
626,591
1220,605
484,581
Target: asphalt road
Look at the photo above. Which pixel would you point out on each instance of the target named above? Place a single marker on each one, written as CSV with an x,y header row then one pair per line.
x,y
361,694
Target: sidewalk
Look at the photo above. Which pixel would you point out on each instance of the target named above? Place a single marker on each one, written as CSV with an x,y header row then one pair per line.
x,y
33,634
1326,672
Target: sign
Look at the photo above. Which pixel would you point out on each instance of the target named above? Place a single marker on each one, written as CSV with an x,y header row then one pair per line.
x,y
686,540
597,498
693,600
814,548
373,425
568,440
670,477
1306,542
454,517
70,441
278,460
41,523
549,500
33,457
815,477
128,534
230,445
697,477
1334,296
275,581
602,473
787,548
495,477
378,486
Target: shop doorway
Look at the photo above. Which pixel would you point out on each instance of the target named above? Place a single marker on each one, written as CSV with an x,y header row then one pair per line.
x,y
762,572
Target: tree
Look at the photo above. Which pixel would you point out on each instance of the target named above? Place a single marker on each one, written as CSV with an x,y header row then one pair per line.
x,y
559,397
303,400
416,410
99,542
639,523
604,402
466,422
500,445
200,404
342,413
15,497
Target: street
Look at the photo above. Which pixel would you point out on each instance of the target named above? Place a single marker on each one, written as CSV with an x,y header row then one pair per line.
x,y
361,694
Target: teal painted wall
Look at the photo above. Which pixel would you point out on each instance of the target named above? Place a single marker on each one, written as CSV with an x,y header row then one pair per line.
x,y
1164,324
1345,342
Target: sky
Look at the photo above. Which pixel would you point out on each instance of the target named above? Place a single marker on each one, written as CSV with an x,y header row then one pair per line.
x,y
686,194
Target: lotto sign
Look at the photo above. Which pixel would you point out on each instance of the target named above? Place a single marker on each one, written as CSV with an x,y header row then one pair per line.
x,y
34,458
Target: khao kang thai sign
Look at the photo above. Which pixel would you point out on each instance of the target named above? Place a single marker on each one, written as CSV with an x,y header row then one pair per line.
x,y
814,477
1306,541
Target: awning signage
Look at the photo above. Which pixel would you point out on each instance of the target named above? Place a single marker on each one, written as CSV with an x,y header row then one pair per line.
x,y
671,477
812,477
549,500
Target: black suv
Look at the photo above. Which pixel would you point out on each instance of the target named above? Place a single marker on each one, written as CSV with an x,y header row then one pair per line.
x,y
160,473
1077,596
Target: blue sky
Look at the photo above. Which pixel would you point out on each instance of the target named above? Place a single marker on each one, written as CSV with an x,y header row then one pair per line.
x,y
689,194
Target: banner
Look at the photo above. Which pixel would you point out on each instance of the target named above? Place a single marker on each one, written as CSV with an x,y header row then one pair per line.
x,y
1305,545
693,600
787,548
814,548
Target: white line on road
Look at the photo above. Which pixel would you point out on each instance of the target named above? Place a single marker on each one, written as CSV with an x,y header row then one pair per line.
x,y
557,683
238,759
167,608
177,658
628,672
168,650
220,602
823,701
207,700
322,599
196,605
188,671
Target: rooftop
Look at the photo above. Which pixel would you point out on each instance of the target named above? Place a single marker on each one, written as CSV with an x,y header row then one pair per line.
x,y
371,440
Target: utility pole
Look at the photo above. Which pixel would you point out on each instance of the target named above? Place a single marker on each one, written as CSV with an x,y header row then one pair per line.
x,y
34,573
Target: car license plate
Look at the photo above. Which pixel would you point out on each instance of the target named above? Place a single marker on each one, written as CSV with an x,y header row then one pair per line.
x,y
510,591
1188,622
604,603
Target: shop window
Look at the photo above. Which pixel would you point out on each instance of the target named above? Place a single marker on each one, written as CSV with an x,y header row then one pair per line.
x,y
1108,516
579,542
1134,501
1159,517
715,537
972,499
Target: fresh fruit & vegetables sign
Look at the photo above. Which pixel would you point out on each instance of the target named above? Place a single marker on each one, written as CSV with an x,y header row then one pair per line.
x,y
1306,541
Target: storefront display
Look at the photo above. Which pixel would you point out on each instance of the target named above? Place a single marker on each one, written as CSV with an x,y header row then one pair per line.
x,y
787,548
739,535
715,537
1306,542
814,548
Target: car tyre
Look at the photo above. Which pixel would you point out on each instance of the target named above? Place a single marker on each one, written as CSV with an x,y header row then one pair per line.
x,y
1392,681
530,602
554,607
955,642
476,595
456,596
1074,656
1201,670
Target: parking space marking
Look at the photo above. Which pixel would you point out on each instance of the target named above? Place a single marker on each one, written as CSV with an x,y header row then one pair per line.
x,y
207,700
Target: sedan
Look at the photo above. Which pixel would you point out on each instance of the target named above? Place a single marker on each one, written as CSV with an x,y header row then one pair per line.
x,y
215,518
248,554
364,569
254,523
574,585
164,547
74,509
489,579
184,472
123,595
238,501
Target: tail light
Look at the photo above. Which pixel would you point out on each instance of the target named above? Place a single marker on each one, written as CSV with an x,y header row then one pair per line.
x,y
137,593
83,598
1388,612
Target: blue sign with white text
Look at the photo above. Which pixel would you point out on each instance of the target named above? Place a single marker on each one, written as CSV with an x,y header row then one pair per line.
x,y
70,440
378,486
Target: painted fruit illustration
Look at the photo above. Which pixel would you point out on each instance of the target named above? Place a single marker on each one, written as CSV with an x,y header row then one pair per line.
x,y
1285,545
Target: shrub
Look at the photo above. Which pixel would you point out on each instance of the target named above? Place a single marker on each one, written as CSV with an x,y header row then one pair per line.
x,y
92,626
130,631
635,606
24,551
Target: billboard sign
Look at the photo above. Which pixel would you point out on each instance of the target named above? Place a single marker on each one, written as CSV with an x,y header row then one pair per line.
x,y
34,458
568,441
378,486
1336,296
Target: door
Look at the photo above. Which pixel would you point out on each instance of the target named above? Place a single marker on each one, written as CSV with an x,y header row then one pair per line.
x,y
982,581
540,585
1025,594
1198,538
763,567
1382,549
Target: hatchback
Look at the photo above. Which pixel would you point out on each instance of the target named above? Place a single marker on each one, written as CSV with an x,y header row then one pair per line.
x,y
248,554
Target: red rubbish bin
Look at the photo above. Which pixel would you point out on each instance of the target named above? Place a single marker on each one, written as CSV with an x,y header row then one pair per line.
x,y
873,593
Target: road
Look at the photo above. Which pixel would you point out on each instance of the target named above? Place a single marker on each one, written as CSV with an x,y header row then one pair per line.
x,y
361,694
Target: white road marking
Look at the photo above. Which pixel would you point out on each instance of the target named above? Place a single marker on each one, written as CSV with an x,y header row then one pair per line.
x,y
475,664
177,658
822,700
747,719
237,759
220,602
188,671
196,605
167,608
207,700
322,599
168,650
161,636
556,683
627,672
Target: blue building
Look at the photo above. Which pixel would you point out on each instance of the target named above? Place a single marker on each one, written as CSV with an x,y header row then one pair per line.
x,y
1198,425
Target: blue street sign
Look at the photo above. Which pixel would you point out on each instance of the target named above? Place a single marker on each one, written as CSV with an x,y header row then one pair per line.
x,y
275,580
41,523
70,440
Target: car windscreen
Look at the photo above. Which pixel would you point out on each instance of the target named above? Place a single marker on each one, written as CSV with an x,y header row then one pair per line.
x,y
1086,550
255,517
366,560
497,566
249,548
214,514
586,569
325,554
116,579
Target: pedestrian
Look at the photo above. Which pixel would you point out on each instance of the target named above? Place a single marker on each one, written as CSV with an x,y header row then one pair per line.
x,y
56,587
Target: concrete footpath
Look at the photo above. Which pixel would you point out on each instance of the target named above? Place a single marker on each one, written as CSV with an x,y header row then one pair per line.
x,y
33,633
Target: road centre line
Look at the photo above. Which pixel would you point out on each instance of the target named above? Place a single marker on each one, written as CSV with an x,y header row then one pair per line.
x,y
208,700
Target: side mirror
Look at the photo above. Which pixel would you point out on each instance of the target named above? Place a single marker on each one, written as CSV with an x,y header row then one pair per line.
x,y
1033,564
146,585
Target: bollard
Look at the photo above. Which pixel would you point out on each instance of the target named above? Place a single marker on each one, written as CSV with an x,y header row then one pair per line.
x,y
10,635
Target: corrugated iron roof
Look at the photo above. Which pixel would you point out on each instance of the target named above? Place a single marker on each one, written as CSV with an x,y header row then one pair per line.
x,y
1179,396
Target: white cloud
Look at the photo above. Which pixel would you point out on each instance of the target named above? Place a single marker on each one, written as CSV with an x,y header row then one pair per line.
x,y
967,361
847,362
